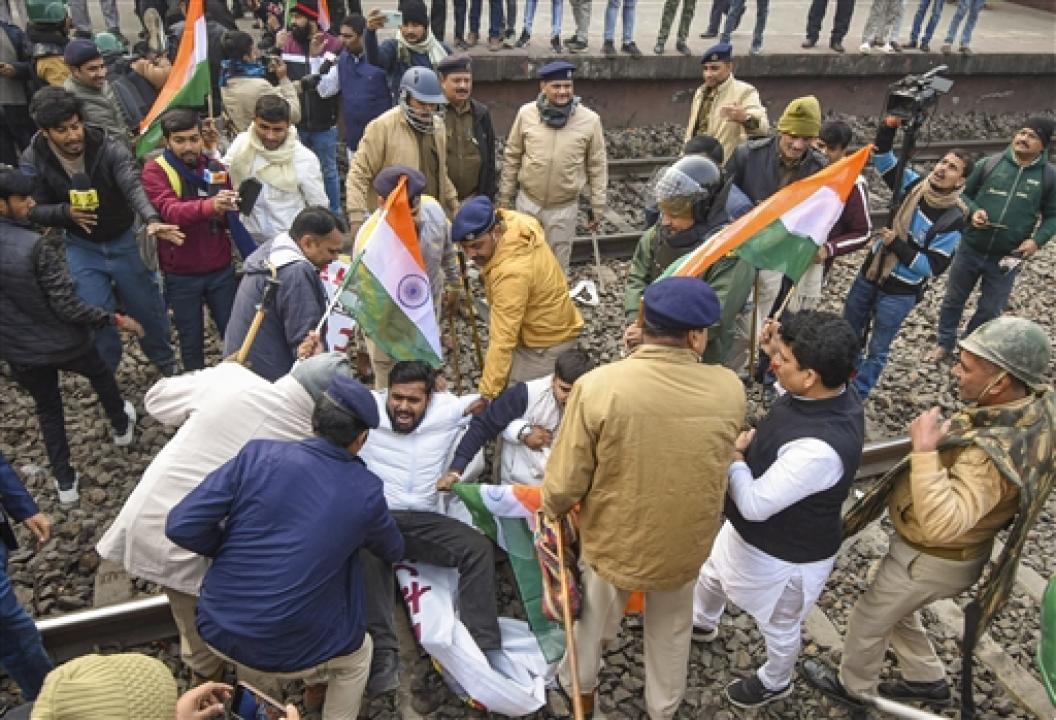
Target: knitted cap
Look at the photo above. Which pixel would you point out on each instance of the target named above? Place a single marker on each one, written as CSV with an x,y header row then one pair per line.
x,y
802,117
414,11
128,686
1042,127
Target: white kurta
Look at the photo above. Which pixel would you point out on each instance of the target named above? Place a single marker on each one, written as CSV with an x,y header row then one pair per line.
x,y
220,409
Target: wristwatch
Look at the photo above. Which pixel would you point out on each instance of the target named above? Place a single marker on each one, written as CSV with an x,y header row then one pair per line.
x,y
523,433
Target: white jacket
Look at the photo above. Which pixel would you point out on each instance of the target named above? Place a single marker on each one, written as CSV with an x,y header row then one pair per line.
x,y
410,464
520,464
220,409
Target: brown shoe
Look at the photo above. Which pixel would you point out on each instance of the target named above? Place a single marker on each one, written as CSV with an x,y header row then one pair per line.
x,y
314,696
494,44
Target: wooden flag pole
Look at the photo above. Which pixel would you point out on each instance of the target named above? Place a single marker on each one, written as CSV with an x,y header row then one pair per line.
x,y
753,333
566,613
455,350
784,303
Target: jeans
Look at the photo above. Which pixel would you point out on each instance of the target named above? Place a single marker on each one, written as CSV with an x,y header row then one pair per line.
x,y
718,9
95,267
475,8
556,9
733,19
611,10
438,540
42,383
840,23
967,268
185,295
510,21
22,653
83,22
889,311
972,8
918,20
324,144
581,14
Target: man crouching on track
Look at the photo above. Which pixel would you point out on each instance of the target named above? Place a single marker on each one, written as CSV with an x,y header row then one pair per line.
x,y
284,523
787,483
965,480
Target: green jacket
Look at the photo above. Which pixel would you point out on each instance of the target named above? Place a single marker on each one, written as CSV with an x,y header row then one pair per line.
x,y
731,278
1012,196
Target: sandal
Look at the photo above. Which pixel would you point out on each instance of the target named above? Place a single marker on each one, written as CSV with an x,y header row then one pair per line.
x,y
936,355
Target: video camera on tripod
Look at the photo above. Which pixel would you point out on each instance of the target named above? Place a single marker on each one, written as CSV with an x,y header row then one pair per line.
x,y
911,97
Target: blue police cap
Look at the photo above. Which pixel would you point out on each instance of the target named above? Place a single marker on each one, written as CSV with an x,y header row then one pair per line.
x,y
557,70
721,52
459,62
353,398
681,303
475,217
387,180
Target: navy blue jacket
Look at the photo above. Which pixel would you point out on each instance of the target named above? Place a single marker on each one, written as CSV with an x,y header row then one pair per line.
x,y
16,502
365,94
284,522
387,57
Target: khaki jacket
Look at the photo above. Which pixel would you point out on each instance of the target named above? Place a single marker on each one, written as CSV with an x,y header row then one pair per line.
x,y
390,140
644,448
528,296
240,97
552,166
953,500
729,133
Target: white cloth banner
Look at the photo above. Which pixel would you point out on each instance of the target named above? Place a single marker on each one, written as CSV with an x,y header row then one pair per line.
x,y
520,689
341,326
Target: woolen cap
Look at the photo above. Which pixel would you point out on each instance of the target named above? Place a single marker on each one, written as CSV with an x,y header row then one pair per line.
x,y
80,51
387,180
414,11
127,686
460,63
1042,127
349,395
720,52
557,70
681,303
802,117
476,216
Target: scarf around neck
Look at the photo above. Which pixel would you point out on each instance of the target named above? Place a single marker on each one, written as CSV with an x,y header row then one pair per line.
x,y
278,169
240,68
429,46
553,115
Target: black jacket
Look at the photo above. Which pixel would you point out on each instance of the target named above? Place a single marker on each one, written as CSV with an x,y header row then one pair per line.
x,y
484,134
44,322
112,172
753,167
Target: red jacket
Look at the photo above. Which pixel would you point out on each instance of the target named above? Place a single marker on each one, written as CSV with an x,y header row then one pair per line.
x,y
206,247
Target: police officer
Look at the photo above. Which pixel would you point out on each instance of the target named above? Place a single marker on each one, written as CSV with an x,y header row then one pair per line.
x,y
470,135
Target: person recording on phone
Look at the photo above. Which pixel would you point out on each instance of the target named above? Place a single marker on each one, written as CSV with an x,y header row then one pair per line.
x,y
243,81
191,190
88,185
415,45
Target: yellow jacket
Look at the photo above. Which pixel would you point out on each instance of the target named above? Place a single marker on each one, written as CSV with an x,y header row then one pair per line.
x,y
390,140
644,447
528,296
729,133
552,165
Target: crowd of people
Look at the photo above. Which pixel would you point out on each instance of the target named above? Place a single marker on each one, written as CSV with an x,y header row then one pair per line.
x,y
283,440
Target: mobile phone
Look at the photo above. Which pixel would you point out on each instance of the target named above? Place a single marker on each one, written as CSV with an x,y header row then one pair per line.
x,y
246,702
393,18
262,698
248,192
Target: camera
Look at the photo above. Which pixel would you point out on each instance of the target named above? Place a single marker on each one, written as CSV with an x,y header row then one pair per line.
x,y
913,95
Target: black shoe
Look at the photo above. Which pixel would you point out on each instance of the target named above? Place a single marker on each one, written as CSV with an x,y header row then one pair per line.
x,y
703,634
709,33
631,49
912,44
809,43
750,692
683,48
934,693
384,673
608,48
524,39
836,46
924,47
82,34
825,679
576,43
555,44
658,48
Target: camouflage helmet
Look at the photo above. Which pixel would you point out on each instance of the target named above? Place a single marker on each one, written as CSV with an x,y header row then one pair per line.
x,y
108,43
46,12
1014,344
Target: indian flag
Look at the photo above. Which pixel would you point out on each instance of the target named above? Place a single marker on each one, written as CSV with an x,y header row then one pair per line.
x,y
390,295
188,83
782,233
324,16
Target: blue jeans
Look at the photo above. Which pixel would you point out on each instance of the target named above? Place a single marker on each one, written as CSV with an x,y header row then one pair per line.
x,y
185,295
889,312
324,144
475,8
918,20
95,267
972,8
556,8
22,654
733,19
628,20
967,268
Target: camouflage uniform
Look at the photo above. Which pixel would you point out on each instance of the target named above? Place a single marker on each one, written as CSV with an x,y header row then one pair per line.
x,y
670,6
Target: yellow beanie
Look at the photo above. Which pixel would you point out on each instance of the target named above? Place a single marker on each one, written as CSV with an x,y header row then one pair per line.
x,y
128,686
802,117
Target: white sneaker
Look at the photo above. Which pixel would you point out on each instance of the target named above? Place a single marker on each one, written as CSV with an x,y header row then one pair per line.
x,y
124,439
69,496
865,47
887,48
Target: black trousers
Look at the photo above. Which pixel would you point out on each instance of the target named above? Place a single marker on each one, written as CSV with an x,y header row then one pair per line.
x,y
718,9
840,24
42,383
438,18
437,540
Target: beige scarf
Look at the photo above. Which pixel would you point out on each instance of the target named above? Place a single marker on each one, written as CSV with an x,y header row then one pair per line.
x,y
278,169
883,262
426,46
